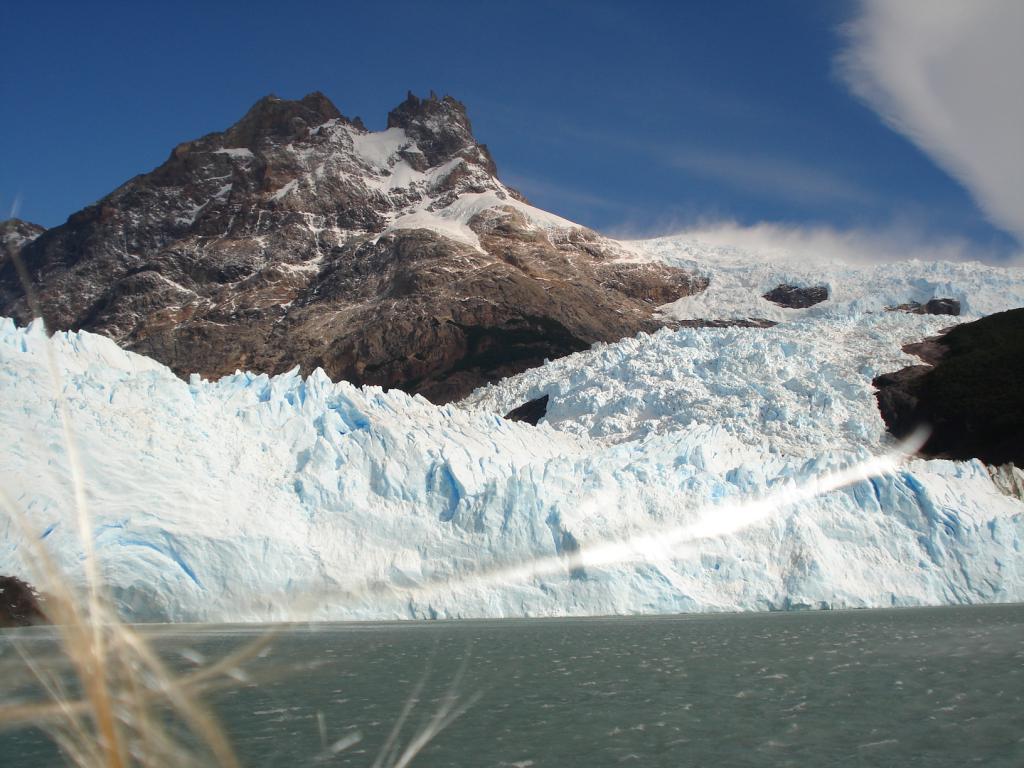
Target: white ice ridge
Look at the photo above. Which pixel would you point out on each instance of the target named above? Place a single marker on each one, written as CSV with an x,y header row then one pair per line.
x,y
797,389
267,498
740,277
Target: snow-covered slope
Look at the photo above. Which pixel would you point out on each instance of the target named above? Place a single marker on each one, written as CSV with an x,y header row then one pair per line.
x,y
267,498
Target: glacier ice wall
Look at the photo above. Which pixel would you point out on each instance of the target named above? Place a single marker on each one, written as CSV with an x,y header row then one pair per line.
x,y
267,498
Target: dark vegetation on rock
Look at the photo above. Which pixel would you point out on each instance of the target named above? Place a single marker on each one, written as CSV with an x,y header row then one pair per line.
x,y
930,307
971,396
530,412
797,297
20,605
269,245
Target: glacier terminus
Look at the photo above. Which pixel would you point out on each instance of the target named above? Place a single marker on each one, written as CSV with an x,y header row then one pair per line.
x,y
289,497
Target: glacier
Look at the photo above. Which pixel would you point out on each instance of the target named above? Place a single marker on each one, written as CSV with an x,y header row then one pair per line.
x,y
258,498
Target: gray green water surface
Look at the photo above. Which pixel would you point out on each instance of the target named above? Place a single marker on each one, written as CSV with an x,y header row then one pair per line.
x,y
907,687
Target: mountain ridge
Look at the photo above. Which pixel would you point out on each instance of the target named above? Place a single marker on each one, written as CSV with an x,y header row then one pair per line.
x,y
298,237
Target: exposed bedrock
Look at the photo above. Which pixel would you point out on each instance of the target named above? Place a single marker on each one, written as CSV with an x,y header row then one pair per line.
x,y
20,605
796,296
971,395
930,307
747,322
530,412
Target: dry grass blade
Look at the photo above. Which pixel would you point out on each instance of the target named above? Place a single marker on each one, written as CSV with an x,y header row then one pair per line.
x,y
137,689
125,687
447,713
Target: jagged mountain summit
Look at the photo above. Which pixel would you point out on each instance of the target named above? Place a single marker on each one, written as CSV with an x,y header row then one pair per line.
x,y
299,238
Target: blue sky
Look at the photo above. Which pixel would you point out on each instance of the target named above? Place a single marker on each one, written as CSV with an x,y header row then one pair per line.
x,y
634,118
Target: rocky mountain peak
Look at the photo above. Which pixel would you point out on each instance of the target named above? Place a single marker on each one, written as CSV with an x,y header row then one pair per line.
x,y
297,237
275,118
429,114
441,129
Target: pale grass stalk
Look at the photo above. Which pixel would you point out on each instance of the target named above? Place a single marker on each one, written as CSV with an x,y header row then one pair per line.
x,y
123,681
118,721
447,713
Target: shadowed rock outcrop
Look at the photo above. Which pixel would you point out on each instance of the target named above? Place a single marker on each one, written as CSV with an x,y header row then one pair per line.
x,y
971,394
930,307
20,606
297,237
797,297
1009,479
530,412
749,322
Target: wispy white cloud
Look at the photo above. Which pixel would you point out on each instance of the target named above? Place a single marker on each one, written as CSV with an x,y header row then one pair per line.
x,y
770,176
767,175
947,74
854,246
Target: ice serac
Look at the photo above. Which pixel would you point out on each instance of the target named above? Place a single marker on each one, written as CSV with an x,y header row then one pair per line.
x,y
298,237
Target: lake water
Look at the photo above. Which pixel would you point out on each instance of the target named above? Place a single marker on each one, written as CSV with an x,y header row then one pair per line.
x,y
908,687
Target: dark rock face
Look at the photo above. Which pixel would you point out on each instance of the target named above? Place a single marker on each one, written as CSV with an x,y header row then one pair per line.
x,y
942,307
1008,479
296,237
749,322
441,130
531,412
898,398
797,297
930,307
929,350
15,234
19,604
972,396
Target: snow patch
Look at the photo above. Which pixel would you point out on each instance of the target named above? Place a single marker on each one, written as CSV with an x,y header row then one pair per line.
x,y
287,189
241,152
379,149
